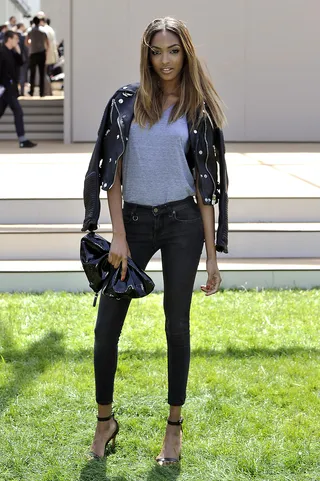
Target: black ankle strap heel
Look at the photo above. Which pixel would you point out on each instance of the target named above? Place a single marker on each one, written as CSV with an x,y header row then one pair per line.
x,y
176,423
112,437
105,419
168,461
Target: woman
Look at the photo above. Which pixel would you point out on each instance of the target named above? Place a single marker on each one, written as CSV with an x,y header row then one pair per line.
x,y
162,140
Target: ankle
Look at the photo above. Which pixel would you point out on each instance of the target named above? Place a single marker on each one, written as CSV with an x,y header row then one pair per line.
x,y
104,423
174,413
104,410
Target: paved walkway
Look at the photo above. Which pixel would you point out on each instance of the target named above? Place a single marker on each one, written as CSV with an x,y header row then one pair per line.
x,y
55,170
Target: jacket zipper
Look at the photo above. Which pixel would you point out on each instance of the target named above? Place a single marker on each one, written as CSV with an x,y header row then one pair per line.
x,y
214,147
111,111
206,164
120,130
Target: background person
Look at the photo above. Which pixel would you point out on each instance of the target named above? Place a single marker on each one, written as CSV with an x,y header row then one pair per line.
x,y
10,62
12,23
52,52
31,24
38,44
23,77
3,30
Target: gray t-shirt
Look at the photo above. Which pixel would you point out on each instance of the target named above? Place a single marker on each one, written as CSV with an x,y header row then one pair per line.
x,y
38,40
155,169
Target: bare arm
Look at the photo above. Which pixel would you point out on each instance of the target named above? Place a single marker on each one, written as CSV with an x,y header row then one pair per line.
x,y
119,250
208,219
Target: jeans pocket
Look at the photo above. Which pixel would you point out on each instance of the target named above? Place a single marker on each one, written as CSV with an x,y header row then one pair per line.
x,y
187,214
127,217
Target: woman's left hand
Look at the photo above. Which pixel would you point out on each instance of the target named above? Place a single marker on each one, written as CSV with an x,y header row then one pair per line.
x,y
214,278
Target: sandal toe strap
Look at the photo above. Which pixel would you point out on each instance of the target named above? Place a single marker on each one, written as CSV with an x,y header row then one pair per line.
x,y
168,460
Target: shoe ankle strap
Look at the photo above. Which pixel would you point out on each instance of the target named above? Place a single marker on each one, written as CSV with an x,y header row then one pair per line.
x,y
105,419
175,423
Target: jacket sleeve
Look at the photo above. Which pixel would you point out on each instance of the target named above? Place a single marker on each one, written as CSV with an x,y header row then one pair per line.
x,y
222,233
1,67
17,58
91,192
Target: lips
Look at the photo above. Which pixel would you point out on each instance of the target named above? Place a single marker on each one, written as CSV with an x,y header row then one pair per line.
x,y
166,70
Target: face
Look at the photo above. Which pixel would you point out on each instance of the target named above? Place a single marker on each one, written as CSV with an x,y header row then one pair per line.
x,y
167,55
14,41
13,21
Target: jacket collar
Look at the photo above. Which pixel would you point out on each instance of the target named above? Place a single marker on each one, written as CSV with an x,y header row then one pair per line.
x,y
125,105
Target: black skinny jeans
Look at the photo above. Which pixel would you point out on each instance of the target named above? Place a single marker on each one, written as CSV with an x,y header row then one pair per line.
x,y
37,59
177,229
9,98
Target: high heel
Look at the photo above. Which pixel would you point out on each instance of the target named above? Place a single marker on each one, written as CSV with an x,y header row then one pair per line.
x,y
168,461
112,438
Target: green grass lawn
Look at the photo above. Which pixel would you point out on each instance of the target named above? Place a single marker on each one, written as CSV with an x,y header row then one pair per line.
x,y
253,408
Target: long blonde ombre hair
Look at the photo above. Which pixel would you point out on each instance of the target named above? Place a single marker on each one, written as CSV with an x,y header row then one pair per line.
x,y
196,87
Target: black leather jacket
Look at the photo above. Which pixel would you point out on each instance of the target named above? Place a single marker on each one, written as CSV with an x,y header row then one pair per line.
x,y
206,155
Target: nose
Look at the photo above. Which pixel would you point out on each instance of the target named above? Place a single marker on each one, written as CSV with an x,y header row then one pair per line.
x,y
165,59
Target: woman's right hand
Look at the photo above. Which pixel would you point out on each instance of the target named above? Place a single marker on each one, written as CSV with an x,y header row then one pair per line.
x,y
119,252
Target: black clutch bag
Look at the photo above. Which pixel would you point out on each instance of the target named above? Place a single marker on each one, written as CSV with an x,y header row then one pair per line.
x,y
94,251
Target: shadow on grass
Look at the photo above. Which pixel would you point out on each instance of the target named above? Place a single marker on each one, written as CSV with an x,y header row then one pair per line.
x,y
43,353
233,352
28,364
95,470
230,352
164,473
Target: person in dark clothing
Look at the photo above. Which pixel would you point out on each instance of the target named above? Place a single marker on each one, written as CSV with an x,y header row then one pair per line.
x,y
23,76
38,43
3,30
10,61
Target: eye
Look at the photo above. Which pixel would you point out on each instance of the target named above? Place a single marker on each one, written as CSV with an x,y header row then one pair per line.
x,y
175,51
155,52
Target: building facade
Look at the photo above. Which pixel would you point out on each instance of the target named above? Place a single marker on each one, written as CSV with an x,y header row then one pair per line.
x,y
263,56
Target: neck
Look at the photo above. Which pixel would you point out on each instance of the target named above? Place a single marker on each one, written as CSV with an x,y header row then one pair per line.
x,y
170,86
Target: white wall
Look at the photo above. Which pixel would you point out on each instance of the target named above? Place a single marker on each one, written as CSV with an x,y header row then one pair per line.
x,y
56,11
35,6
263,56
